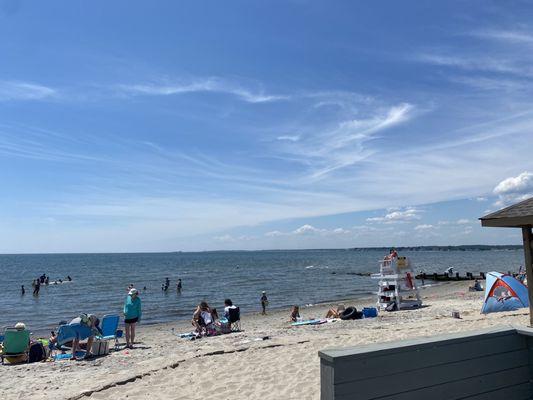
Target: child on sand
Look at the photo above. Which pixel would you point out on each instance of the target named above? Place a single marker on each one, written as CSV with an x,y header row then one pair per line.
x,y
264,302
295,313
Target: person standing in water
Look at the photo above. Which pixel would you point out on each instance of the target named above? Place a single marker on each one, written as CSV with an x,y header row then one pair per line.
x,y
37,287
178,286
264,302
22,290
132,315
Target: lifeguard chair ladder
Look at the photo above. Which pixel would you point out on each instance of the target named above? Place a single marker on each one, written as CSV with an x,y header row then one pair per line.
x,y
397,286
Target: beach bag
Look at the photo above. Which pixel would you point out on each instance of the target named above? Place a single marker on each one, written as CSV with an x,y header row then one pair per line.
x,y
100,347
37,352
225,327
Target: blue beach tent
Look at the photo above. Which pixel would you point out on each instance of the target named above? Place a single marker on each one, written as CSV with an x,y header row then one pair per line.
x,y
504,293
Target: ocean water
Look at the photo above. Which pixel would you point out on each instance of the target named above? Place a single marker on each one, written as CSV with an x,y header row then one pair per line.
x,y
289,277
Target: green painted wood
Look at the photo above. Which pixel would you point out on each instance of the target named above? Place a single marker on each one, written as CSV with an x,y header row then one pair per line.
x,y
326,381
515,392
400,346
381,365
457,390
443,374
491,364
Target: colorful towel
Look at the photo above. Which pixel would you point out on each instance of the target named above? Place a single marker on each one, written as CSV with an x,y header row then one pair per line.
x,y
68,356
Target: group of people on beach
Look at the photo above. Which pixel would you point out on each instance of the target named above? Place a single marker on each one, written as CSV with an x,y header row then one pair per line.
x,y
207,322
87,326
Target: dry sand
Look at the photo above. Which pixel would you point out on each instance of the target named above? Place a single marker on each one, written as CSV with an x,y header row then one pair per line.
x,y
243,365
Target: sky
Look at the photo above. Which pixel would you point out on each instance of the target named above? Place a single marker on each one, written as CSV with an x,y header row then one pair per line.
x,y
166,126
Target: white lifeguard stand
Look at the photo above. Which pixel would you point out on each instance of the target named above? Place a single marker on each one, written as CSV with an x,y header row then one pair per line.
x,y
397,287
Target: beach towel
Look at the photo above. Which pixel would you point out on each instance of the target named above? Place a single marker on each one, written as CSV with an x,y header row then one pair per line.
x,y
68,356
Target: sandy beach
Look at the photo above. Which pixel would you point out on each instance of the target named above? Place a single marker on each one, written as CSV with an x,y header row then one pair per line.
x,y
268,360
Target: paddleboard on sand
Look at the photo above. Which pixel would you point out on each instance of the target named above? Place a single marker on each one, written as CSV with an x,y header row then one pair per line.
x,y
310,322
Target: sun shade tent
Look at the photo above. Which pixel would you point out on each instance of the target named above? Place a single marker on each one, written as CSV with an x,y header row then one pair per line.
x,y
504,293
519,215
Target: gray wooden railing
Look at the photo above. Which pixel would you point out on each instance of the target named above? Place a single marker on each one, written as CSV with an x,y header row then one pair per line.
x,y
495,363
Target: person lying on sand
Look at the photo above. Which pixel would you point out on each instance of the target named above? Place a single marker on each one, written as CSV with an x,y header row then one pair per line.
x,y
335,313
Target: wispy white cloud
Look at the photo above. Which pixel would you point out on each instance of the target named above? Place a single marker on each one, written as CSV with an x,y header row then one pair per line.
x,y
19,90
406,215
290,138
423,227
506,36
342,143
341,231
492,84
212,84
225,239
461,221
475,63
274,234
306,230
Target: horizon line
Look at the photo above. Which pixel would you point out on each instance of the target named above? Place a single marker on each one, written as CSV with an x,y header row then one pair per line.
x,y
261,250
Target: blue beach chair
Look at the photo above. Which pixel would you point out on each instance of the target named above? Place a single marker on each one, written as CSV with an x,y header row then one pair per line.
x,y
109,327
65,334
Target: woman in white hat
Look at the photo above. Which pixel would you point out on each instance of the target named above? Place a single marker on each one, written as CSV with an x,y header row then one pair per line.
x,y
132,315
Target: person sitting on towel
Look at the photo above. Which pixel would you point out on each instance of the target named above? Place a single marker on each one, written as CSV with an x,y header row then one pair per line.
x,y
335,313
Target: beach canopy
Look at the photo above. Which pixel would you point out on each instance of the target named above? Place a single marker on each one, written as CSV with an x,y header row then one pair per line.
x,y
519,215
504,293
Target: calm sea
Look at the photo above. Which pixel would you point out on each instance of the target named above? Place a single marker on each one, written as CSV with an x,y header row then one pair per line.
x,y
289,277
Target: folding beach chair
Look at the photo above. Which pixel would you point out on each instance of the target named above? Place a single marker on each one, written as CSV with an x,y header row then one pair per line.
x,y
109,327
234,319
16,343
65,335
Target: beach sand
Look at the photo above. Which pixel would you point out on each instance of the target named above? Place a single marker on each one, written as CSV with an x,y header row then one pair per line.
x,y
269,360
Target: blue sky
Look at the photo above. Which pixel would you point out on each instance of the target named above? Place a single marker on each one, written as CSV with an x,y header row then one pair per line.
x,y
155,126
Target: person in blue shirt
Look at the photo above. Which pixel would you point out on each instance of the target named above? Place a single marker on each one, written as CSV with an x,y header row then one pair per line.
x,y
132,315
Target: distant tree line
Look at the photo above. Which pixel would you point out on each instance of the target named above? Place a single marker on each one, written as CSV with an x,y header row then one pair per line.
x,y
465,247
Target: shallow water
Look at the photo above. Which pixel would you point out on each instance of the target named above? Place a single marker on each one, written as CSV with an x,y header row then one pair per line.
x,y
289,277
